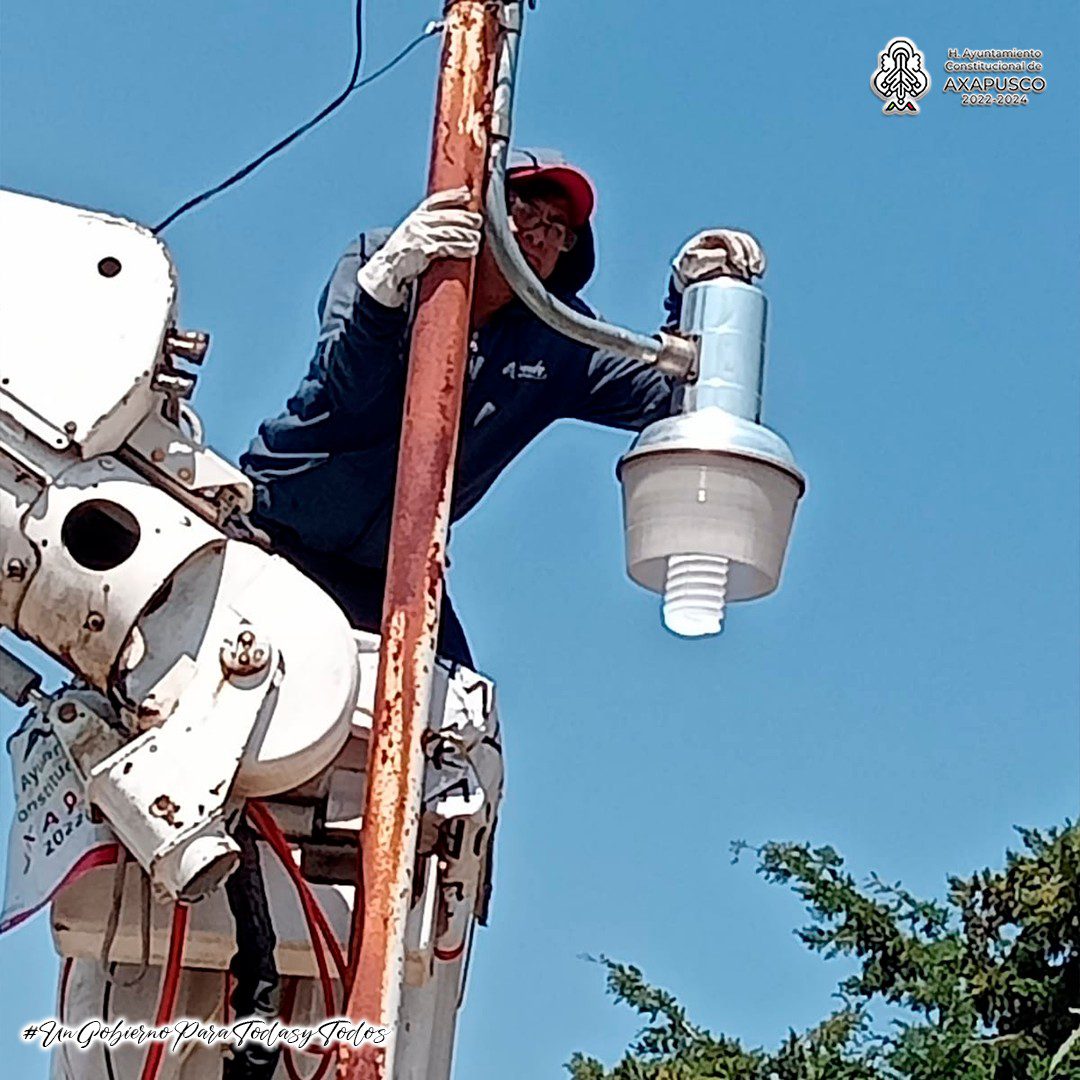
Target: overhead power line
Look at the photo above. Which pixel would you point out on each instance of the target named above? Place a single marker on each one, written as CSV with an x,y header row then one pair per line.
x,y
351,87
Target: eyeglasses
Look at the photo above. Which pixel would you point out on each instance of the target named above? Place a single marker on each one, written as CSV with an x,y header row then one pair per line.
x,y
528,216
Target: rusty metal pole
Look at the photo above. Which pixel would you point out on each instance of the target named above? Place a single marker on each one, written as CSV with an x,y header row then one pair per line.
x,y
414,579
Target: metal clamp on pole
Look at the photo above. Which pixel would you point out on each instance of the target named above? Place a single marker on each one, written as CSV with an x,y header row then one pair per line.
x,y
673,355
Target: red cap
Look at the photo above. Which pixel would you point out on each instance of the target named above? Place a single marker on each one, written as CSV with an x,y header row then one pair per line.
x,y
574,183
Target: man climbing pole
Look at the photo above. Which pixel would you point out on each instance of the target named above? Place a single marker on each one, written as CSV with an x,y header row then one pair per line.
x,y
324,469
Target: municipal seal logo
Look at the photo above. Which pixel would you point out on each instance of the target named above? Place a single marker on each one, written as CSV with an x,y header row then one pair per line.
x,y
900,78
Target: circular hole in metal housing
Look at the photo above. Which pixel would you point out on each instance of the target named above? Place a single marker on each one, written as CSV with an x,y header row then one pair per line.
x,y
109,266
100,534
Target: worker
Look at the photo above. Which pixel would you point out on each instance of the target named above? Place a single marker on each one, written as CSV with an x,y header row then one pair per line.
x,y
324,469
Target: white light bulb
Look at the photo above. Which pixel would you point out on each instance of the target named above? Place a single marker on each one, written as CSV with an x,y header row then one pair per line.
x,y
695,594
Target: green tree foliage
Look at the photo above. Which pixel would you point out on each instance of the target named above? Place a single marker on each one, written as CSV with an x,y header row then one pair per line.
x,y
989,979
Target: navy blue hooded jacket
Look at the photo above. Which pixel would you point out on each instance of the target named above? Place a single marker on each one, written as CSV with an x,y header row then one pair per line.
x,y
324,470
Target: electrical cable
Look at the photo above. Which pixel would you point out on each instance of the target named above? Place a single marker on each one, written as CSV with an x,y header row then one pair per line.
x,y
318,926
273,835
281,144
288,1001
356,935
106,1051
170,985
319,931
254,961
351,87
113,924
293,1073
287,1004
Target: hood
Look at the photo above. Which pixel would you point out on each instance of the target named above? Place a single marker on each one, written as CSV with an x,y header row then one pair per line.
x,y
575,266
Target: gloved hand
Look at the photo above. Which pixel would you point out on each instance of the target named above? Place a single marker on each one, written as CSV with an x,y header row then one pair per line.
x,y
439,228
718,253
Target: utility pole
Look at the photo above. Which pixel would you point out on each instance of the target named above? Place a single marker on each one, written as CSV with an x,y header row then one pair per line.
x,y
414,580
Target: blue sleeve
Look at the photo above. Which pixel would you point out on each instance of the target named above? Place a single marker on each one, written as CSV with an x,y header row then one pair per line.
x,y
363,345
628,394
624,393
672,305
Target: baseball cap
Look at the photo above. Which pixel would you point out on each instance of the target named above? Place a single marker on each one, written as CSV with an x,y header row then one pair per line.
x,y
550,166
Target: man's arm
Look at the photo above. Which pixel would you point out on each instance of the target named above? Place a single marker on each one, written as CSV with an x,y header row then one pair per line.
x,y
365,308
709,254
362,343
624,393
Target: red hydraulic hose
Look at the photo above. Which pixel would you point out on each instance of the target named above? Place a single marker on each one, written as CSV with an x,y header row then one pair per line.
x,y
327,1056
318,927
318,930
265,823
288,1001
170,985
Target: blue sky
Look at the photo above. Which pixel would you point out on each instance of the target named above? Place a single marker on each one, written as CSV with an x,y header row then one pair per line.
x,y
911,692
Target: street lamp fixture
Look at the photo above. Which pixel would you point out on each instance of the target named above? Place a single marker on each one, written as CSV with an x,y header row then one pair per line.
x,y
709,494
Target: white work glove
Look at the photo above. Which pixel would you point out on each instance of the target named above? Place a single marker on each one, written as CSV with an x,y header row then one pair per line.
x,y
718,253
439,228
